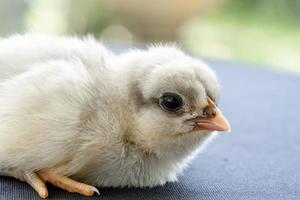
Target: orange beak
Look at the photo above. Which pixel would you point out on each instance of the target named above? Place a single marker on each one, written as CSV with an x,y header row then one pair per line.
x,y
215,122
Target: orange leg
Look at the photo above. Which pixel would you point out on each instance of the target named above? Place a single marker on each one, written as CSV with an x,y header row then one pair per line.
x,y
67,183
38,180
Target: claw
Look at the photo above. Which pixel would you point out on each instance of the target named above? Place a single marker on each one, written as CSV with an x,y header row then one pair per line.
x,y
95,190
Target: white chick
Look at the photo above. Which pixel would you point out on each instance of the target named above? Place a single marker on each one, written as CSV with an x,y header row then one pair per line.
x,y
72,110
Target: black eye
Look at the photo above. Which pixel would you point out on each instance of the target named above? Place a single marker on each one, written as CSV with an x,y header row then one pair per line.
x,y
171,102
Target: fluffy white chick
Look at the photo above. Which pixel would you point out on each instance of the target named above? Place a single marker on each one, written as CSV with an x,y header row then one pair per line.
x,y
72,110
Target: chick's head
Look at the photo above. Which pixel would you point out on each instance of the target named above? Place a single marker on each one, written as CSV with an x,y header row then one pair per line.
x,y
174,98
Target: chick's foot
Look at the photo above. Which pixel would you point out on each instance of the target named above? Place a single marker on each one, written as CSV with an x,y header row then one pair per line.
x,y
67,183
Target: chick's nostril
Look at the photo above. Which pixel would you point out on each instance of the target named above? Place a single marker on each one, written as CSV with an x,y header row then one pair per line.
x,y
209,112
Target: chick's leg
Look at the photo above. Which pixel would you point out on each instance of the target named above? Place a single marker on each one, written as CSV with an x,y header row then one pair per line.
x,y
67,183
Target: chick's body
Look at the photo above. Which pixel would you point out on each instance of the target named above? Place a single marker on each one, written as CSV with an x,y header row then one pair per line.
x,y
73,106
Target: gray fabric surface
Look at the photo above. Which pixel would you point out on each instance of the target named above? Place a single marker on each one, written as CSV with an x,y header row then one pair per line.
x,y
259,159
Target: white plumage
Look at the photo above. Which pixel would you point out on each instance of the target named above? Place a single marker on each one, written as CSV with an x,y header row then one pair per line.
x,y
72,106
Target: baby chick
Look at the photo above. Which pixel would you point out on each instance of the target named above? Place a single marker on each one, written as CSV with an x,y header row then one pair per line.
x,y
70,109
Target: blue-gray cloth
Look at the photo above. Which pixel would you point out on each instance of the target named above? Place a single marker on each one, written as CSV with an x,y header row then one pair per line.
x,y
259,159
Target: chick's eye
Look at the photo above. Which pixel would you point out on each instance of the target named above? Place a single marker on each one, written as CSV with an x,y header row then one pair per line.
x,y
171,102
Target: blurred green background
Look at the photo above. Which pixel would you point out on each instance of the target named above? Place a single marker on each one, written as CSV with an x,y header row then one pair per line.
x,y
264,32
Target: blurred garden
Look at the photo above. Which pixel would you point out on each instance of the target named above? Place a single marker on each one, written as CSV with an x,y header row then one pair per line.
x,y
263,32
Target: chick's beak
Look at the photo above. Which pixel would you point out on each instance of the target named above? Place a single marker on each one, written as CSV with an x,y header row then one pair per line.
x,y
214,120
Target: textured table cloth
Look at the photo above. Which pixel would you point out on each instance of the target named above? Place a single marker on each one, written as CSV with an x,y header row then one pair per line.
x,y
259,159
